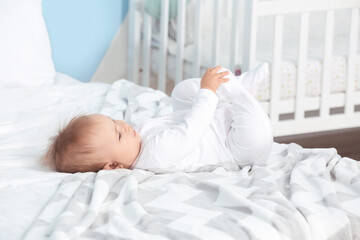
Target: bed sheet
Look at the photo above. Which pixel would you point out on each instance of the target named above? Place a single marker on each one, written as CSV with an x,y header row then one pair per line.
x,y
31,114
301,194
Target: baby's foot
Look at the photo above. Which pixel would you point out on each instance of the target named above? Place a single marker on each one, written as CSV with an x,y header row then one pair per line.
x,y
252,79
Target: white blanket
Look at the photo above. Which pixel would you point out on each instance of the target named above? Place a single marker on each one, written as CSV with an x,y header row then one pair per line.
x,y
301,194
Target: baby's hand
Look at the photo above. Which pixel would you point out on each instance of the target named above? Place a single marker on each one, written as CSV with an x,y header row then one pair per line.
x,y
212,79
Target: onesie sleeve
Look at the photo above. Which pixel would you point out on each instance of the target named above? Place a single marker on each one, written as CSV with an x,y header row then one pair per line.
x,y
168,148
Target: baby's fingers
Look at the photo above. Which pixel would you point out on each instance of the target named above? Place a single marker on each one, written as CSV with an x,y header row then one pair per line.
x,y
224,80
223,74
215,69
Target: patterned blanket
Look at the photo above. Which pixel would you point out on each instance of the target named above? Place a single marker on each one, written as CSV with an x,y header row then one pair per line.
x,y
300,194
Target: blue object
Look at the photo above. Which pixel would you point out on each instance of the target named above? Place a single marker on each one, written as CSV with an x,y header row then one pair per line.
x,y
153,8
81,32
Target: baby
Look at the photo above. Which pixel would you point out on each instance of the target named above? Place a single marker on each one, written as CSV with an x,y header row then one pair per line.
x,y
216,122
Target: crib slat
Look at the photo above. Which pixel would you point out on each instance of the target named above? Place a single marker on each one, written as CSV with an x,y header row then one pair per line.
x,y
350,86
275,73
327,64
215,47
197,39
146,50
250,29
234,34
164,20
180,38
130,63
300,84
134,41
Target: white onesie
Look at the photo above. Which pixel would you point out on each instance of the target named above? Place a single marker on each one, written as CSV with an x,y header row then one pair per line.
x,y
205,132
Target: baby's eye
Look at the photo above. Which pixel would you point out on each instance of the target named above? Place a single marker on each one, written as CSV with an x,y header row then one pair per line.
x,y
119,135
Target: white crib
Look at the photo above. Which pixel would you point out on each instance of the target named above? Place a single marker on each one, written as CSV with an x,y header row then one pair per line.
x,y
299,114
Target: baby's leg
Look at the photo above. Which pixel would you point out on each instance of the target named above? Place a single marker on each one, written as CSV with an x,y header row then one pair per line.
x,y
250,80
184,93
250,137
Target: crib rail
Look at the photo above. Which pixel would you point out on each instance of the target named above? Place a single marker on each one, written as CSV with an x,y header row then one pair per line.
x,y
278,9
139,61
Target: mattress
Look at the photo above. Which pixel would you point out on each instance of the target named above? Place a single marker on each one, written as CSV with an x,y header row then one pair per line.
x,y
313,78
300,194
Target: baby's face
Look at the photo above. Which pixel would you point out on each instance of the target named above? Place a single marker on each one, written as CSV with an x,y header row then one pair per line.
x,y
118,142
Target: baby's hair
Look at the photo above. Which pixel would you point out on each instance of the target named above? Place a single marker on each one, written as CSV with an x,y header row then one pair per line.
x,y
70,150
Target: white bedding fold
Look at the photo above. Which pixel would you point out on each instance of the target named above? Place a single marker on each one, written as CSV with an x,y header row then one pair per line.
x,y
302,194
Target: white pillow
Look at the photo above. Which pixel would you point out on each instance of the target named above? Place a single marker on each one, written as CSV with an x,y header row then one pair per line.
x,y
25,51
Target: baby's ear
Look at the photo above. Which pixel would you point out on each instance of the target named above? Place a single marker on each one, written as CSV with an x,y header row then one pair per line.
x,y
112,165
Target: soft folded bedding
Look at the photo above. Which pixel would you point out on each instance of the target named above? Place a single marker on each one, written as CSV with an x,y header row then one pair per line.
x,y
300,194
31,115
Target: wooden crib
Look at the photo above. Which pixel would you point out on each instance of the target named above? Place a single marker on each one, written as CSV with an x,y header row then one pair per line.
x,y
299,114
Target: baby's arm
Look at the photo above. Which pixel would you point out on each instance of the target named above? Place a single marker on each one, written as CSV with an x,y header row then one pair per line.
x,y
172,145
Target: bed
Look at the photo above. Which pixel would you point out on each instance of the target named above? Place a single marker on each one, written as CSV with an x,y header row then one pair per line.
x,y
313,50
300,194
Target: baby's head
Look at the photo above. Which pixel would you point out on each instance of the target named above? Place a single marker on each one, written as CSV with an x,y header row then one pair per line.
x,y
90,143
